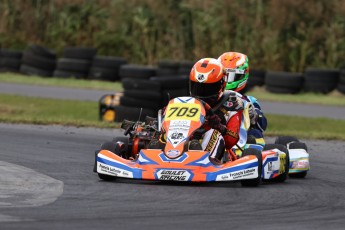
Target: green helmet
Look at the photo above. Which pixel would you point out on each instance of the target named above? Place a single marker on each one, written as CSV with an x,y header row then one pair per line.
x,y
236,66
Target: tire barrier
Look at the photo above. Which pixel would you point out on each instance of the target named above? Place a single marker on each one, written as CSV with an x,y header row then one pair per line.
x,y
136,71
106,68
284,82
167,67
10,60
185,67
76,62
38,60
321,80
341,84
256,78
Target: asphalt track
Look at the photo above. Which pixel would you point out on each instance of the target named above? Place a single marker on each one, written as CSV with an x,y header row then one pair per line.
x,y
296,109
54,188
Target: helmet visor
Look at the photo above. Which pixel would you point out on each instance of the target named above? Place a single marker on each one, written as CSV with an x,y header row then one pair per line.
x,y
204,90
234,74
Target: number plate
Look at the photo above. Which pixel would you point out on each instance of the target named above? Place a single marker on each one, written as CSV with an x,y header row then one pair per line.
x,y
183,111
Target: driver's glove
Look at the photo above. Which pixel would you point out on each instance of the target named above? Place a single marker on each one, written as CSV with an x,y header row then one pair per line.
x,y
214,122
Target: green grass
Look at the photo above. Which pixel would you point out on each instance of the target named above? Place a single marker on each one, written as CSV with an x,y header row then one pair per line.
x,y
302,127
32,110
20,109
60,82
333,98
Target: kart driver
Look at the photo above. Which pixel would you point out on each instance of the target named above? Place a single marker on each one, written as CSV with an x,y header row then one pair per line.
x,y
236,67
207,82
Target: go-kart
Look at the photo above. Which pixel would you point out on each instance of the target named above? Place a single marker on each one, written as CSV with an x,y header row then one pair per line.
x,y
181,158
140,155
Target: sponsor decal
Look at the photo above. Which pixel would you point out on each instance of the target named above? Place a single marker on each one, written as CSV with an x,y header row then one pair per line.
x,y
231,133
176,136
201,78
113,171
180,124
242,83
241,174
173,153
282,163
213,140
270,166
174,175
301,164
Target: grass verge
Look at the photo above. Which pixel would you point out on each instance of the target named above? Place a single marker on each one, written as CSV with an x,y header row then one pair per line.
x,y
60,82
334,98
32,110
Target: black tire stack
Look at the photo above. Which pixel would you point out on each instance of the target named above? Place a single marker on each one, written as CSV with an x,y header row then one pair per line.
x,y
139,92
10,60
171,87
167,67
320,80
256,78
341,83
38,60
185,67
284,82
173,79
106,68
76,62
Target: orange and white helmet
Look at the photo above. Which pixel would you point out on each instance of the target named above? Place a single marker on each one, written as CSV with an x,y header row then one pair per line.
x,y
206,80
236,67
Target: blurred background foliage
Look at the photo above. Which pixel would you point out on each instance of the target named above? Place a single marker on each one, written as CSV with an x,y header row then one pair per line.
x,y
285,35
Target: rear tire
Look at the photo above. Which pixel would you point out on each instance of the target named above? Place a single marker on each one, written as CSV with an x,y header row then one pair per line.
x,y
298,175
256,181
283,176
285,140
298,145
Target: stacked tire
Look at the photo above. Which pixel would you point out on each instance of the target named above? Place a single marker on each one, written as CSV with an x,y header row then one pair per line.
x,y
76,62
185,67
321,80
284,82
171,87
256,78
167,67
140,97
141,72
106,68
10,60
341,84
38,60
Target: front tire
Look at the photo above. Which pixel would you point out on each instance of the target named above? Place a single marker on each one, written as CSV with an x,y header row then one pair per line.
x,y
256,181
110,146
